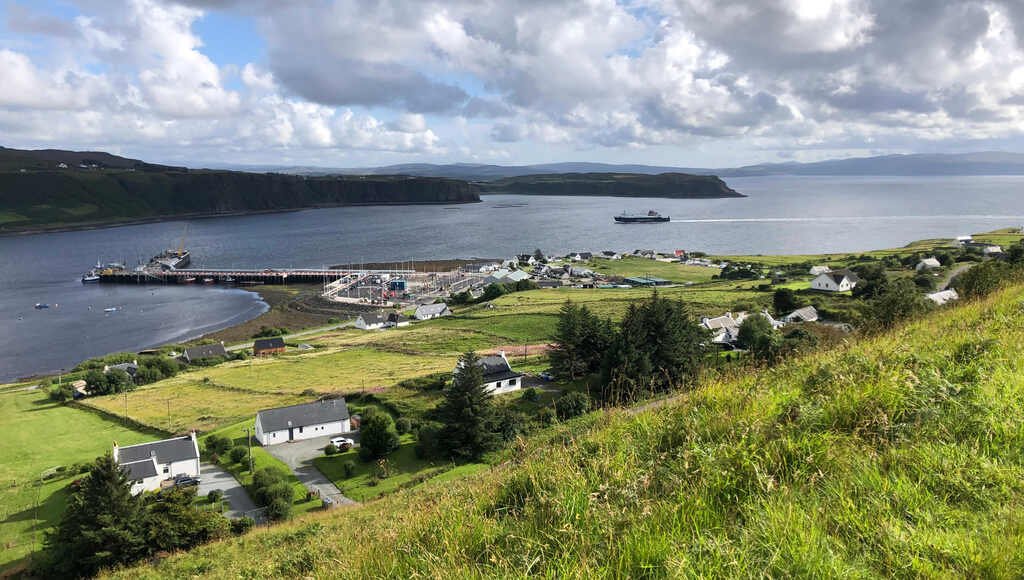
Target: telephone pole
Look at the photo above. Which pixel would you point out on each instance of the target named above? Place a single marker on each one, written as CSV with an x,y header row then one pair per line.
x,y
248,439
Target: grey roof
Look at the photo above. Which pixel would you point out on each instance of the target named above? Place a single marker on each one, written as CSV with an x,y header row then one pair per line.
x,y
266,343
496,368
838,275
431,309
205,351
315,413
396,317
807,313
374,318
166,451
130,368
139,469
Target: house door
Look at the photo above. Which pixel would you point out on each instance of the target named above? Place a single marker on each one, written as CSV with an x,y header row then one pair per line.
x,y
291,433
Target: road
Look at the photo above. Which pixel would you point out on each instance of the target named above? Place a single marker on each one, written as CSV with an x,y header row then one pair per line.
x,y
213,477
299,455
956,272
297,334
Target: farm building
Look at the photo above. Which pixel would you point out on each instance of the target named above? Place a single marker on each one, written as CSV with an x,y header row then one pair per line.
x,y
428,311
147,464
204,352
306,421
498,374
267,346
805,314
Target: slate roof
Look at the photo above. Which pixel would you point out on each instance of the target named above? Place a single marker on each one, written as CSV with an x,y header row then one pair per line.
x,y
315,413
166,451
139,469
431,309
205,351
374,318
496,368
807,314
838,276
130,368
395,318
268,343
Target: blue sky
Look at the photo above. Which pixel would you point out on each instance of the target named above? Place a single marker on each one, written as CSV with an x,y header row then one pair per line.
x,y
348,83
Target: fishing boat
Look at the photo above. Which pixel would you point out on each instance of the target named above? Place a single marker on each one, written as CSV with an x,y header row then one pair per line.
x,y
207,280
190,280
650,217
90,277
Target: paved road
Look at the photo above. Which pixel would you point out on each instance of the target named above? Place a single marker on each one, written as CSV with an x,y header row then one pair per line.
x,y
213,477
956,272
297,334
299,455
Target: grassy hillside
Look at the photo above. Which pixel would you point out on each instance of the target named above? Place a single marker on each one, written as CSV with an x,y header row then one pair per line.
x,y
900,456
674,185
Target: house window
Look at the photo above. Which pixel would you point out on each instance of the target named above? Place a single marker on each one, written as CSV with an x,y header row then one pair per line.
x,y
167,469
300,429
512,383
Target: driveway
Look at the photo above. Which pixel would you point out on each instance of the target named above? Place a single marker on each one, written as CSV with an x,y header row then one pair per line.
x,y
299,456
213,477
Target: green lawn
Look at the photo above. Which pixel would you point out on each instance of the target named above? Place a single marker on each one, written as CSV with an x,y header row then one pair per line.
x,y
632,267
39,435
403,469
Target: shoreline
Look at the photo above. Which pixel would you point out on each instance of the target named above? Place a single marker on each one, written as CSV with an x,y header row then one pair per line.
x,y
86,226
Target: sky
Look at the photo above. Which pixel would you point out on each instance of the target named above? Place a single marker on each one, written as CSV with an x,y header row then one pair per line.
x,y
359,83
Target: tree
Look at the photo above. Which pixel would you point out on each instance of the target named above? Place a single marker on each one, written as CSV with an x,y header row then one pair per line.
x,y
238,454
784,301
467,412
217,444
799,340
873,281
62,392
512,424
757,335
102,526
901,300
377,436
428,442
96,383
538,255
580,341
572,405
119,381
492,291
924,281
981,280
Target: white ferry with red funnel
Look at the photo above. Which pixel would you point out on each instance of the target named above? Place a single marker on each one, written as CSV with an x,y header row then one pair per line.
x,y
650,217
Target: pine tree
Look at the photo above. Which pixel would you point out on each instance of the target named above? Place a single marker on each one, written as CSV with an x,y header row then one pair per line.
x,y
565,355
467,412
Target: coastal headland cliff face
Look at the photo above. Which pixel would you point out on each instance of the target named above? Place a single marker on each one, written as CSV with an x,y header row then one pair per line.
x,y
668,185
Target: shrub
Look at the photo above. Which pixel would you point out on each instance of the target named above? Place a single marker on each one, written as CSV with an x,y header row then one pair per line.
x,y
333,320
215,495
279,509
242,525
62,393
331,449
546,416
348,468
403,426
238,454
428,442
378,436
532,395
217,444
572,405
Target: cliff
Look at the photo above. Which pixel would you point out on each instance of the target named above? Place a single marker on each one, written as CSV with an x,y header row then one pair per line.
x,y
672,185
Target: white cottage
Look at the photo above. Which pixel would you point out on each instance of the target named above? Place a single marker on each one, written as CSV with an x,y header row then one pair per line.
x,y
147,464
927,264
306,421
428,311
819,270
805,314
943,296
838,281
498,374
372,321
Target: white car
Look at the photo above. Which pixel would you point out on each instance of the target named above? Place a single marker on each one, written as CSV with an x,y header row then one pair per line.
x,y
343,443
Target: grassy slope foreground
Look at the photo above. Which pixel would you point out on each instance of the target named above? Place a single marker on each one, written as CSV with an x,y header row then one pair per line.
x,y
898,456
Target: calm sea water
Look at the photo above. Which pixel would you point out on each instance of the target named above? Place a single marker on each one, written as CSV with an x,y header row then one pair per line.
x,y
782,215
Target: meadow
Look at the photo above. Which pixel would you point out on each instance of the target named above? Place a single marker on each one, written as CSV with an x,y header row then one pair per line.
x,y
900,455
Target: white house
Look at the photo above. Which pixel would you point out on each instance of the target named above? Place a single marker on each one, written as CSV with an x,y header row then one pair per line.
x,y
428,311
62,166
395,320
962,241
724,329
580,256
927,264
306,421
805,314
147,464
838,281
371,321
819,270
943,296
498,374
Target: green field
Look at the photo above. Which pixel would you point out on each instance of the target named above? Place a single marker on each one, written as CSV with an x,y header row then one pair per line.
x,y
39,435
632,267
897,456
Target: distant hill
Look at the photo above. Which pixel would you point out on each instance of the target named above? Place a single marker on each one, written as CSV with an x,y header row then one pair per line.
x,y
982,163
36,193
672,185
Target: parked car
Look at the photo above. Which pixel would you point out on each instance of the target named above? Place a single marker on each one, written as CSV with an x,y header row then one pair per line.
x,y
546,376
185,481
343,443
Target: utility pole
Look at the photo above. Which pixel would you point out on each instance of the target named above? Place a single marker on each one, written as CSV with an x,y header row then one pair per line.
x,y
248,439
126,406
168,415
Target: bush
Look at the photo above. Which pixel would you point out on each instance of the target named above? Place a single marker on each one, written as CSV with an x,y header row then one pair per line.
x,y
531,395
331,449
348,468
279,509
546,416
242,525
403,426
378,436
62,393
215,495
238,454
217,444
428,442
572,405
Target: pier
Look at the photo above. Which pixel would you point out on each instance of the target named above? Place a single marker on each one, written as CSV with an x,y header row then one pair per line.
x,y
237,276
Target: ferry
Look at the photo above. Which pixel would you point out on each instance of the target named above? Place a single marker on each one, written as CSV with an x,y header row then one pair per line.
x,y
649,218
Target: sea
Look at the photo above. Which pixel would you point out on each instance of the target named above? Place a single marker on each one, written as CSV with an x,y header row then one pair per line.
x,y
781,215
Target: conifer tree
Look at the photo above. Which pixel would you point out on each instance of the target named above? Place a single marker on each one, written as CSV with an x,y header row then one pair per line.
x,y
467,412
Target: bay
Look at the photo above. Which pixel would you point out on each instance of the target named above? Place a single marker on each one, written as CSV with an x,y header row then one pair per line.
x,y
782,215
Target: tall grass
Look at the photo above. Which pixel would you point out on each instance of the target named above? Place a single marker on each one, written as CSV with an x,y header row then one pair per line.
x,y
900,456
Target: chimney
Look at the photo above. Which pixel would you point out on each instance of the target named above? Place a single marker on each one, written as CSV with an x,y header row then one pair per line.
x,y
115,452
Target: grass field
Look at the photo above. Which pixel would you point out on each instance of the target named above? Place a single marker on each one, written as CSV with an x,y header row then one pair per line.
x,y
402,468
631,267
39,435
897,456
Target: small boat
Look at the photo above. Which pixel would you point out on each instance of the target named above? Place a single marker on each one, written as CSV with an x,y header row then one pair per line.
x,y
650,217
90,277
190,280
40,306
111,309
229,280
207,280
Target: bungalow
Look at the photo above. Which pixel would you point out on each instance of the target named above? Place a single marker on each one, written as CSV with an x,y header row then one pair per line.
x,y
526,259
838,281
204,352
927,264
819,270
147,464
131,368
395,320
724,329
498,374
805,314
943,296
549,284
962,241
79,388
611,255
371,321
306,421
267,346
428,311
580,256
